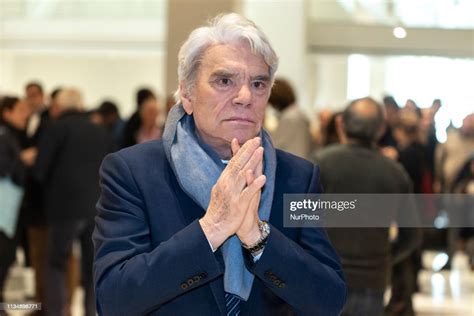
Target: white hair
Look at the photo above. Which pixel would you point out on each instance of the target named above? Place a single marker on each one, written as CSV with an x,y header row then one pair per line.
x,y
230,28
70,98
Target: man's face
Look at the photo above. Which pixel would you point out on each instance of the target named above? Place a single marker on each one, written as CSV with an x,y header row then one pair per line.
x,y
230,94
34,98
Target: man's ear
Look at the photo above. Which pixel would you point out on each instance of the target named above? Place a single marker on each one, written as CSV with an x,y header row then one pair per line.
x,y
185,99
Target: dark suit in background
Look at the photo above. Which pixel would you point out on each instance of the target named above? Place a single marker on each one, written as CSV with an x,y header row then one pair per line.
x,y
358,167
70,153
366,253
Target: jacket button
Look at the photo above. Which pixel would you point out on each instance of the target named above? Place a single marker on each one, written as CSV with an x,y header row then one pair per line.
x,y
203,275
197,278
277,282
273,278
190,282
282,285
184,286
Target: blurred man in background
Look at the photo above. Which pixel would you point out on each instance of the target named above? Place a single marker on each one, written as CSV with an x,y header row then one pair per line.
x,y
357,167
69,155
36,101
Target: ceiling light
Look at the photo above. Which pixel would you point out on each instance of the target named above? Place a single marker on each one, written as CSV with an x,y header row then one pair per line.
x,y
399,32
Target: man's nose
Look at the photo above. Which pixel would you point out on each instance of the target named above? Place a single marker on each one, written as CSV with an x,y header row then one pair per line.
x,y
244,96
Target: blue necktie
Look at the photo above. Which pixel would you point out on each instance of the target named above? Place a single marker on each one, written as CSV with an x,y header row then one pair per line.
x,y
232,304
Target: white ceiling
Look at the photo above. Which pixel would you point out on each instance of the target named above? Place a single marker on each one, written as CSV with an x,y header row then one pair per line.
x,y
449,14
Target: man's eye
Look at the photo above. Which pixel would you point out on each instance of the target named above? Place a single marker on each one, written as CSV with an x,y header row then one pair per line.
x,y
259,84
224,81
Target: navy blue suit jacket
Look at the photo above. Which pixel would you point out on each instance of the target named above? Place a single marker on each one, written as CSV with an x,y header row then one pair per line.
x,y
152,256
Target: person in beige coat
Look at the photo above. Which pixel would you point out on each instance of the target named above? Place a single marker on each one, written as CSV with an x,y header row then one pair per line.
x,y
293,131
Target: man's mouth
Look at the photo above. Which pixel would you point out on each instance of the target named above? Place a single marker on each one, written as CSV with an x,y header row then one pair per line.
x,y
242,120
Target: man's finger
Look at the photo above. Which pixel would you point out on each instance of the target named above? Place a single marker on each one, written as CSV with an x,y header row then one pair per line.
x,y
235,146
244,154
255,160
249,176
251,165
259,169
254,188
241,178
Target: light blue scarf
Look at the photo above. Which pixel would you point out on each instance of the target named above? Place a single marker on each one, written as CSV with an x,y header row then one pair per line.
x,y
197,168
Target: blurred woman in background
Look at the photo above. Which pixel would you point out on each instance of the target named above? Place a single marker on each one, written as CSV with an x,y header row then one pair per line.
x,y
142,125
14,157
149,129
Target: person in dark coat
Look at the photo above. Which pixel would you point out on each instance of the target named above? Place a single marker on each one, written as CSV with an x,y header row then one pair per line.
x,y
392,112
411,152
14,115
411,155
69,156
357,167
110,115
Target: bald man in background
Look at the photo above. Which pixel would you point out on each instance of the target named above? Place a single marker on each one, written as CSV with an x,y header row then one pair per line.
x,y
357,166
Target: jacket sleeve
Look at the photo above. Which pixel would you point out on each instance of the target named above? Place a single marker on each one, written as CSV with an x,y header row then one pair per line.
x,y
10,162
48,148
132,277
305,274
6,156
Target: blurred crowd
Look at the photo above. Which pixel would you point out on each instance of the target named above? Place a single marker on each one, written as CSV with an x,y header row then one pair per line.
x,y
372,147
52,148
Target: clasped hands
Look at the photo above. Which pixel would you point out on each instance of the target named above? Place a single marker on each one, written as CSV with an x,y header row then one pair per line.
x,y
235,198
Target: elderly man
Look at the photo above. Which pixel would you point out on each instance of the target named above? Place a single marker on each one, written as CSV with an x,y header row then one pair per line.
x,y
193,224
